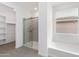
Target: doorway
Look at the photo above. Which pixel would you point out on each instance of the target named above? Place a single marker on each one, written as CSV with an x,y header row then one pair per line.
x,y
30,33
7,36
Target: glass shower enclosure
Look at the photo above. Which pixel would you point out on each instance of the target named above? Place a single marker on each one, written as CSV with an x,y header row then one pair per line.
x,y
30,32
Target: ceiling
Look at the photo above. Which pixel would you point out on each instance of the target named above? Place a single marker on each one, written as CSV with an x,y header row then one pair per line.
x,y
29,6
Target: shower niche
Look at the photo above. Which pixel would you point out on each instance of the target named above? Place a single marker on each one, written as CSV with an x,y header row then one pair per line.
x,y
67,26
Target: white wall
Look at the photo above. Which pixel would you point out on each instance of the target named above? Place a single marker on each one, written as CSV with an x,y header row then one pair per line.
x,y
36,14
8,13
42,30
67,12
50,16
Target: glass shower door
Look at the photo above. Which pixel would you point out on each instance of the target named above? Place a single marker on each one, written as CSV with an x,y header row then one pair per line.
x,y
27,33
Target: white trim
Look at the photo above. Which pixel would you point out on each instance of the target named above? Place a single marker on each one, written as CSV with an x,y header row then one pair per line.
x,y
63,50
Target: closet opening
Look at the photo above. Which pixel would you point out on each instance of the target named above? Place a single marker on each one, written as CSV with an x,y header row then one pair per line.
x,y
7,35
